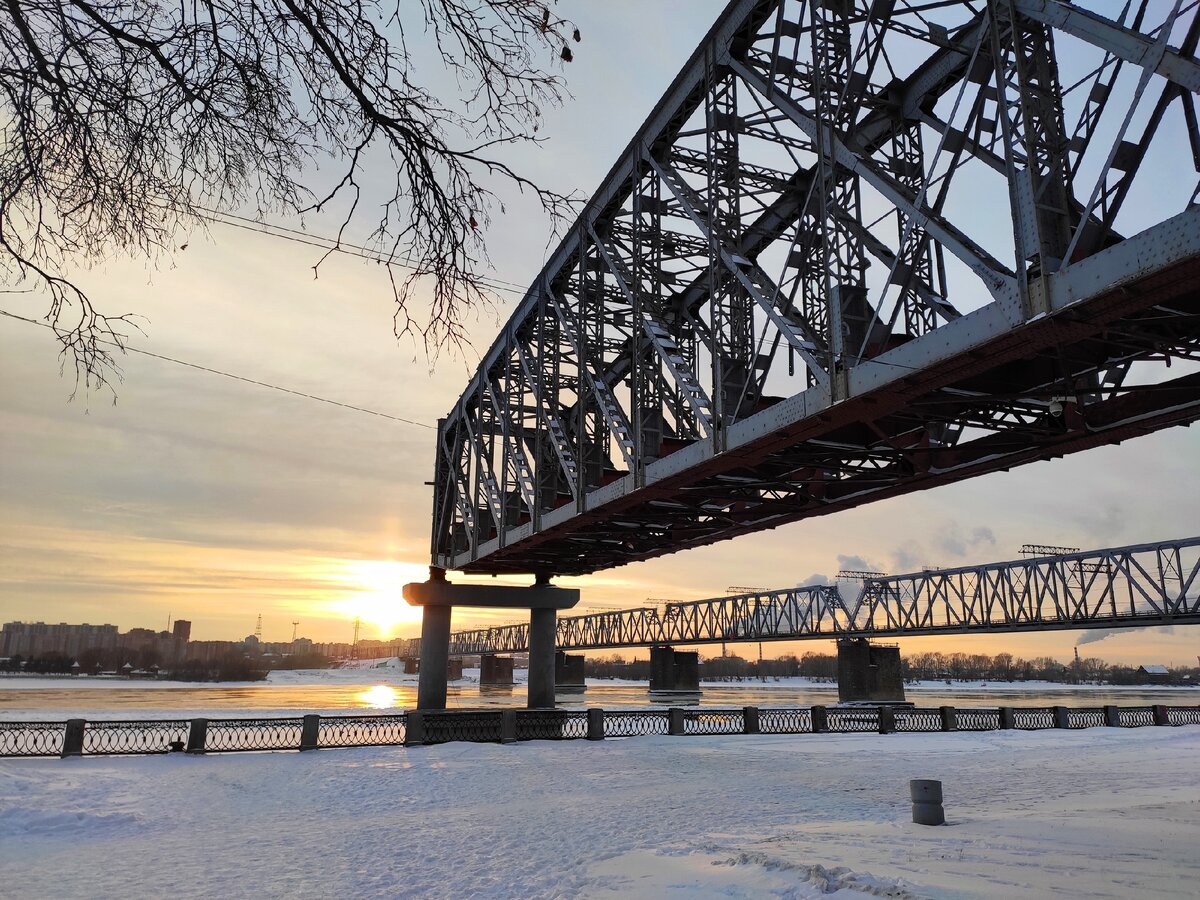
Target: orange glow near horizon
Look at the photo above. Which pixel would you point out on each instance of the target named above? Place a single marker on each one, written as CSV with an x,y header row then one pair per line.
x,y
373,592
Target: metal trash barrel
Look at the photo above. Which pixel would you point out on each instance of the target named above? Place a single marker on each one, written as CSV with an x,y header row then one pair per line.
x,y
926,795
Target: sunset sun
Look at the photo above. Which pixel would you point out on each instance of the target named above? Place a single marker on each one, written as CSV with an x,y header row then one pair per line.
x,y
373,593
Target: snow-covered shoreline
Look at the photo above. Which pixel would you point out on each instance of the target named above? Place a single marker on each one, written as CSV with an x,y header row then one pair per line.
x,y
1103,813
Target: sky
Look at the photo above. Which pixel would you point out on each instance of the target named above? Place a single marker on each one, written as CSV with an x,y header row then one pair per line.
x,y
200,497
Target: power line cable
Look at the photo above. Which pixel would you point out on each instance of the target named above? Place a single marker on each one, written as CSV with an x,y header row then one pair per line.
x,y
335,245
242,378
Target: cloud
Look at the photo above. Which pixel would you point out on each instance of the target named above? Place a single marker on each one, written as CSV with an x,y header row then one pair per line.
x,y
815,578
854,563
952,540
908,557
983,535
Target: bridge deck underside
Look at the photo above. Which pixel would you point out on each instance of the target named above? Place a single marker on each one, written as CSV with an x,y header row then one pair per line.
x,y
875,445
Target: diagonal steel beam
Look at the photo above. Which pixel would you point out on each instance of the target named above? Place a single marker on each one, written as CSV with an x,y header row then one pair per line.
x,y
997,277
1121,42
618,424
552,424
689,385
800,335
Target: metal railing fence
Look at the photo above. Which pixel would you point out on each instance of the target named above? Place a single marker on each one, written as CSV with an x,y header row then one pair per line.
x,y
79,737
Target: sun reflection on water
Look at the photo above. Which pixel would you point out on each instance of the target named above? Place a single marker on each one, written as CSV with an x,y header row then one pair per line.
x,y
381,696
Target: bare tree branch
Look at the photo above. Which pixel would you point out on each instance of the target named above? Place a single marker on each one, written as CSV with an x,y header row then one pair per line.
x,y
122,121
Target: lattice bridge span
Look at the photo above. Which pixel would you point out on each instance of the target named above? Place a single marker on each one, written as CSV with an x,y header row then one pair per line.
x,y
859,248
1140,585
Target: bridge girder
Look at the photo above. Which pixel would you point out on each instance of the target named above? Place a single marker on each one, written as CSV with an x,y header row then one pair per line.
x,y
1122,587
858,249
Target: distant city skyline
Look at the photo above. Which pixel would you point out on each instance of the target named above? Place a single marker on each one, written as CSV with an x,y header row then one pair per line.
x,y
27,638
201,493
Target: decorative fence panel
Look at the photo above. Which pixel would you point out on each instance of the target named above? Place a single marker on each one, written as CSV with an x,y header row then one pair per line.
x,y
32,738
1183,715
135,736
551,724
856,719
714,721
918,719
1086,717
311,732
1030,717
225,735
785,721
634,724
977,719
1135,716
443,727
361,731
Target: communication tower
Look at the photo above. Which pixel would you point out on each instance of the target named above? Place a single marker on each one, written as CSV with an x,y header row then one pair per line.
x,y
295,625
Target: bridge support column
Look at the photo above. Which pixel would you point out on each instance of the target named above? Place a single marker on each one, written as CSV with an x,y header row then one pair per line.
x,y
674,671
542,626
869,671
435,655
495,671
438,596
568,673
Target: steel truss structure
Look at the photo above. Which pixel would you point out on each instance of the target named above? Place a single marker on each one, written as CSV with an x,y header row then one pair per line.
x,y
859,248
1145,584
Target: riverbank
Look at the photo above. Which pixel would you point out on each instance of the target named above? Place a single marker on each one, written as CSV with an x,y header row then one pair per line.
x,y
1101,813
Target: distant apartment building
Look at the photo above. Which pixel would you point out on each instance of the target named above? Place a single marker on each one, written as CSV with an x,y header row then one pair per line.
x,y
39,638
379,649
34,639
210,651
335,650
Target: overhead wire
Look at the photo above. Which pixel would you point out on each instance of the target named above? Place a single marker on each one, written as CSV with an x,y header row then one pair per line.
x,y
334,245
242,378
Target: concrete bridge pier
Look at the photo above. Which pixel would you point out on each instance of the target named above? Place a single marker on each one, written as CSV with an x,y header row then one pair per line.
x,y
674,671
495,671
438,596
568,673
435,656
869,671
543,623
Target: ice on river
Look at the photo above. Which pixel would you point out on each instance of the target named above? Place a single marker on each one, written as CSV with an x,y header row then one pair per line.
x,y
1099,813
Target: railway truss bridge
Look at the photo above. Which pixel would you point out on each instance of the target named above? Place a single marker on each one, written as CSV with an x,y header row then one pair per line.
x,y
859,248
1140,585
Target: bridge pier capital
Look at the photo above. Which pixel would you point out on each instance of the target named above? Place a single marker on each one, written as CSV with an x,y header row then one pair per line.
x,y
439,596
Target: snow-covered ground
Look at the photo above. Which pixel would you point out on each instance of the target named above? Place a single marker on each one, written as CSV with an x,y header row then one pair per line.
x,y
1097,813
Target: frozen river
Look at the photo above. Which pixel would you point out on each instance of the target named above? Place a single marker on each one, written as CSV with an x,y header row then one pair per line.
x,y
389,689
